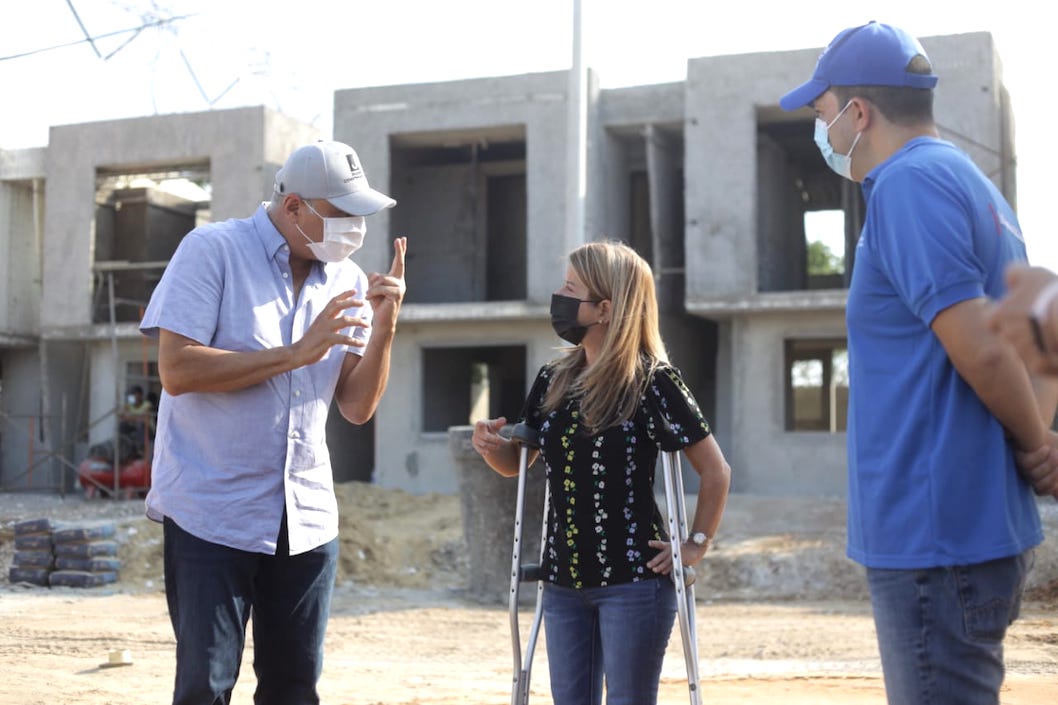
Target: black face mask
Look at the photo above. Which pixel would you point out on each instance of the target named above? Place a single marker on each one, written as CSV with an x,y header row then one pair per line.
x,y
564,318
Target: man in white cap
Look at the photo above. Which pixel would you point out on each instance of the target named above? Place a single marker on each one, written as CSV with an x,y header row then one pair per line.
x,y
261,322
938,512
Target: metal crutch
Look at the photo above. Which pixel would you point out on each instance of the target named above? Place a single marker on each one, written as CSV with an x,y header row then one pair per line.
x,y
528,440
682,577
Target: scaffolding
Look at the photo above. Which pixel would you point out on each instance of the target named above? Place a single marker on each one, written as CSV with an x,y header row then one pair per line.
x,y
119,466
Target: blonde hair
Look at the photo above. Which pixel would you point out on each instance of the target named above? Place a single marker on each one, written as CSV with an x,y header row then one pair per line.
x,y
632,349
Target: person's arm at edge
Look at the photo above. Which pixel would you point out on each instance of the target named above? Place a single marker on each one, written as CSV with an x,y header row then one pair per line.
x,y
1027,316
1045,389
1040,466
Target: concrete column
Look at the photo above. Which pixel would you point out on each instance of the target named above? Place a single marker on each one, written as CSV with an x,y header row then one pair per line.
x,y
489,502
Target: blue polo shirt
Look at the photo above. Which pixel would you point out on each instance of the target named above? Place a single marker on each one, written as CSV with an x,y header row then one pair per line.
x,y
932,480
227,464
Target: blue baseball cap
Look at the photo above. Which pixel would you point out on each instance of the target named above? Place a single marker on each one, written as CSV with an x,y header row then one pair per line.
x,y
869,55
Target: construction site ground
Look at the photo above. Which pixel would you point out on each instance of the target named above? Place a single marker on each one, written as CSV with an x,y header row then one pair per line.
x,y
782,615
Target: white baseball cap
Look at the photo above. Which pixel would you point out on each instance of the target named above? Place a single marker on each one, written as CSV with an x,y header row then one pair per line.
x,y
331,171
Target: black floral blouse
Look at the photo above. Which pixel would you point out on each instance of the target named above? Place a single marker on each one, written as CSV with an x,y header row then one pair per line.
x,y
602,511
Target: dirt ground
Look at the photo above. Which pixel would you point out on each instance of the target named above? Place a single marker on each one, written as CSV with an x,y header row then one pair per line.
x,y
404,632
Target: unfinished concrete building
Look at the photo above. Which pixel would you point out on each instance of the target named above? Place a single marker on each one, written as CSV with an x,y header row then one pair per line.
x,y
707,178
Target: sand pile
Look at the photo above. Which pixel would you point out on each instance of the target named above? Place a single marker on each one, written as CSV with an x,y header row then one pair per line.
x,y
391,537
768,547
388,537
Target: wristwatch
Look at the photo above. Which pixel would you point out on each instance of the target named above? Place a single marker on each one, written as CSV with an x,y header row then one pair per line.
x,y
700,538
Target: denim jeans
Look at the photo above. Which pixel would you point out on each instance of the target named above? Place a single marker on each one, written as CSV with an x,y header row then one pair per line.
x,y
619,630
212,591
940,630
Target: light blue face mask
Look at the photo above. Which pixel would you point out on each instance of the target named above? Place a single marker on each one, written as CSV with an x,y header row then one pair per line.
x,y
841,164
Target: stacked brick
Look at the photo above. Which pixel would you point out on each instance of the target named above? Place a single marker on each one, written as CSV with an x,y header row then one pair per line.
x,y
69,556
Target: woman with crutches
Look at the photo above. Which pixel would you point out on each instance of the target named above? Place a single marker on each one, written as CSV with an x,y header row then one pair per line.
x,y
603,410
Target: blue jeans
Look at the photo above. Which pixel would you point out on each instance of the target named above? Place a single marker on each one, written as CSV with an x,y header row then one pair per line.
x,y
940,630
619,630
212,590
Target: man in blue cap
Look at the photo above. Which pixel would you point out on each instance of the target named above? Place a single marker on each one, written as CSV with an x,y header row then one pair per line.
x,y
939,405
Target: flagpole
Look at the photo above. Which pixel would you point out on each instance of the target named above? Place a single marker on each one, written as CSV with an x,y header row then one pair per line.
x,y
577,137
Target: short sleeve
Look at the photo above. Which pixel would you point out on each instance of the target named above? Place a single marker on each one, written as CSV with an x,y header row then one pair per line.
x,y
532,414
187,299
673,419
924,239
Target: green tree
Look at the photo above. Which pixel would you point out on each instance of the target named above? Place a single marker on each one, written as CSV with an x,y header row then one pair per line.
x,y
821,260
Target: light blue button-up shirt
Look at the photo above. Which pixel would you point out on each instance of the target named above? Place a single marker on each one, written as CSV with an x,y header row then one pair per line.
x,y
227,464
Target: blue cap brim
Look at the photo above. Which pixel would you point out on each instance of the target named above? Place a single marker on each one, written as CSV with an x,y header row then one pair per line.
x,y
804,94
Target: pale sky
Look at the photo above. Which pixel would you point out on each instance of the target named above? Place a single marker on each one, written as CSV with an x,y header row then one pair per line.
x,y
292,56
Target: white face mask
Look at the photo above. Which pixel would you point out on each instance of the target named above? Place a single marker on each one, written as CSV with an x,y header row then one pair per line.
x,y
841,164
341,236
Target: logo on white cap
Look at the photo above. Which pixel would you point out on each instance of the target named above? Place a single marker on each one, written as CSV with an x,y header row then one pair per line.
x,y
354,166
331,170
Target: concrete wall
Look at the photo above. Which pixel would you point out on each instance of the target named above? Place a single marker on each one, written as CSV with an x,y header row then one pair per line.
x,y
530,108
970,102
243,147
723,96
20,404
21,236
627,119
34,433
533,105
767,459
409,457
732,354
20,257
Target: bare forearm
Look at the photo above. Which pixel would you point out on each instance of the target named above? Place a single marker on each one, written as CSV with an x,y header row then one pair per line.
x,y
993,370
1046,392
506,459
714,483
1003,385
709,507
197,368
362,387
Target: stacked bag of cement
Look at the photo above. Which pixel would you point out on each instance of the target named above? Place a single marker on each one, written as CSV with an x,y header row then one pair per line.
x,y
85,556
34,559
64,555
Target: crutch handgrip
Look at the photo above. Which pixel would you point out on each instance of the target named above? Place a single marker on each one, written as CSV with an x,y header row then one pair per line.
x,y
525,435
531,572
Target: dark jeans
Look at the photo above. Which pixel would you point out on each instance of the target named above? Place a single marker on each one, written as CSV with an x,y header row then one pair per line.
x,y
940,630
212,591
620,631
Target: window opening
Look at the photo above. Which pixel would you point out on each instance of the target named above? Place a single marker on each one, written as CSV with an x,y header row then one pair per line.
x,y
141,216
463,385
817,385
